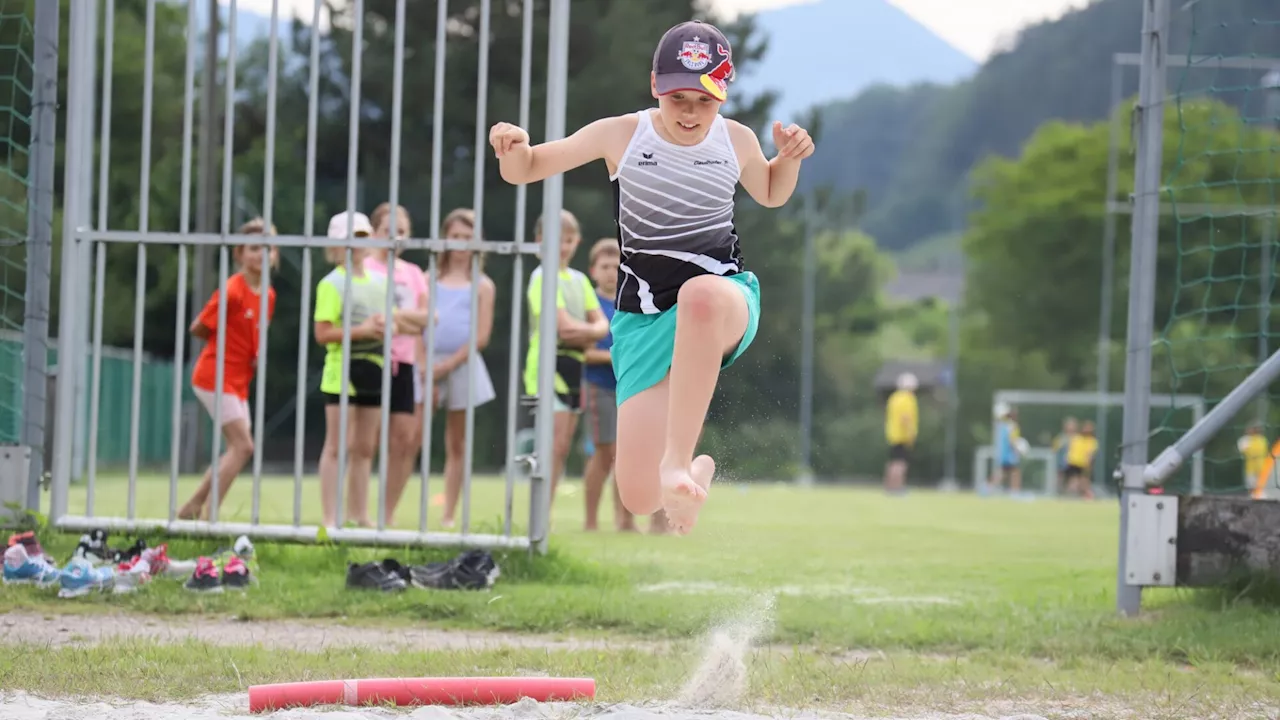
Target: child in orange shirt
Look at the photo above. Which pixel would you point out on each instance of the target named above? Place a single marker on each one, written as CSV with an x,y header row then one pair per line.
x,y
240,359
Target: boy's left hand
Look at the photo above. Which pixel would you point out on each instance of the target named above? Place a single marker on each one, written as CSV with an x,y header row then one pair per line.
x,y
793,142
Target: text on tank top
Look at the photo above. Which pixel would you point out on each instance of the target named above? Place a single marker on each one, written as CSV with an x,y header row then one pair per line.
x,y
673,206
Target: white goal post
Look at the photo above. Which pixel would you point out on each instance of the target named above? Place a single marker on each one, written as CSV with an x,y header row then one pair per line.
x,y
1194,403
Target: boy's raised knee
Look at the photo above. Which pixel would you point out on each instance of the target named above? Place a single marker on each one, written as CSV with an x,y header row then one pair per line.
x,y
704,298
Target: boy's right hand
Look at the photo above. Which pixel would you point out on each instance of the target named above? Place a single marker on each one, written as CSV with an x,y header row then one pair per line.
x,y
504,137
372,328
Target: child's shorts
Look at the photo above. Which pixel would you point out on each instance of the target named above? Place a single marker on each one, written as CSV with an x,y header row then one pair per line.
x,y
643,344
364,385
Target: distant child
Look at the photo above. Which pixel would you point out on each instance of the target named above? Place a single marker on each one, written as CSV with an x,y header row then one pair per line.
x,y
599,399
240,362
449,370
686,305
407,355
1253,448
1008,451
901,426
363,381
580,323
1080,454
1060,447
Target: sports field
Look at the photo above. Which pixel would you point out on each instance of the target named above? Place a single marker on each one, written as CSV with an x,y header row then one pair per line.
x,y
850,601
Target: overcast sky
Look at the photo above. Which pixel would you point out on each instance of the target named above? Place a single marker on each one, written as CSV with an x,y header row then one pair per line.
x,y
976,27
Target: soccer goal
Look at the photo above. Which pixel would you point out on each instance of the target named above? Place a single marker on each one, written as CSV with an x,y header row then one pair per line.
x,y
1203,222
1041,415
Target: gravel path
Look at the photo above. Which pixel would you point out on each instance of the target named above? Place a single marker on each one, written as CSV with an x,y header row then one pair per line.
x,y
61,630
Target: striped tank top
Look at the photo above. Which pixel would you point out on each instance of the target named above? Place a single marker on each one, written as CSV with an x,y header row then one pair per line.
x,y
673,206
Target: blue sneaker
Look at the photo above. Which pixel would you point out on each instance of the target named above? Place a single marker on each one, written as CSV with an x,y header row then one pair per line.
x,y
21,568
80,577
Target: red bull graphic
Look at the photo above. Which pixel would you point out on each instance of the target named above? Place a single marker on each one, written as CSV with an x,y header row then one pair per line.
x,y
716,82
695,55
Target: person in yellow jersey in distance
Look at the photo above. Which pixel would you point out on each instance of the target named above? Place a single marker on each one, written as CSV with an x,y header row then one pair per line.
x,y
901,425
1081,449
1253,448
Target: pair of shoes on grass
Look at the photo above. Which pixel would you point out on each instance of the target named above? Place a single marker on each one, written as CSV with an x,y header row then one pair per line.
x,y
78,578
472,570
206,577
94,548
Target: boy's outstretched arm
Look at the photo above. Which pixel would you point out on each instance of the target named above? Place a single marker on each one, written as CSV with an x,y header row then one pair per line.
x,y
771,182
521,163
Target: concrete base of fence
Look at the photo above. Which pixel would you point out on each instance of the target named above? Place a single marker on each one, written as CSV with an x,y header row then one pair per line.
x,y
1224,538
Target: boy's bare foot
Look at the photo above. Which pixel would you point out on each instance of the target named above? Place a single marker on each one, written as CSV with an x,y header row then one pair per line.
x,y
702,470
658,524
682,498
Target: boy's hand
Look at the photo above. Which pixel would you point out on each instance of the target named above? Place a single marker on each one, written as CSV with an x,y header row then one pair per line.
x,y
504,137
371,328
793,142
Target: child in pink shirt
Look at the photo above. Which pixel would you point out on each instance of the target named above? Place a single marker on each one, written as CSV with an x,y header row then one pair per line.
x,y
407,353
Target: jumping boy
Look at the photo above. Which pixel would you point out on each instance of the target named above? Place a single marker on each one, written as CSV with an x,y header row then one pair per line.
x,y
686,305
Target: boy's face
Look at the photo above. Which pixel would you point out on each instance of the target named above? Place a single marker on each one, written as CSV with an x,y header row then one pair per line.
x,y
604,273
569,240
402,227
251,258
686,115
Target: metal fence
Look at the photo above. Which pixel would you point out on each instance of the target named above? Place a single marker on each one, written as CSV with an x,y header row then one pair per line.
x,y
86,239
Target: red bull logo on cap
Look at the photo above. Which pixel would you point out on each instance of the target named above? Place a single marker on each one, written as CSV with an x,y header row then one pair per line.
x,y
695,54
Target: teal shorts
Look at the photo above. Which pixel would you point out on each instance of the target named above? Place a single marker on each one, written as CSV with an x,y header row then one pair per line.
x,y
643,344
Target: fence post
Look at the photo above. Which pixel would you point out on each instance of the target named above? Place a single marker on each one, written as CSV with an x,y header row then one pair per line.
x,y
75,212
35,326
1142,279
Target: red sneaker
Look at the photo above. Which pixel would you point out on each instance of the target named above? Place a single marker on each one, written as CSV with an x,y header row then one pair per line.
x,y
235,574
205,577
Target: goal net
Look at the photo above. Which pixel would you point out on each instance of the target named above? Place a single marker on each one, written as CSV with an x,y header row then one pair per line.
x,y
1216,266
15,132
1041,416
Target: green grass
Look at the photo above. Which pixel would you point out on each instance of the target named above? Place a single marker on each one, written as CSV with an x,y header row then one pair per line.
x,y
1007,586
893,684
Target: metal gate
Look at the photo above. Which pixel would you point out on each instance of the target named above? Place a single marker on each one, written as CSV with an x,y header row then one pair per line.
x,y
86,237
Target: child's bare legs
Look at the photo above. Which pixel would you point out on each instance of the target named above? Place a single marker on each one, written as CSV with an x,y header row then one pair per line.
x,y
597,472
362,438
565,424
239,451
404,442
711,319
362,443
455,446
329,466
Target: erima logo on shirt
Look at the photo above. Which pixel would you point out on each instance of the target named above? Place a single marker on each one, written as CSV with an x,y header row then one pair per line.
x,y
648,160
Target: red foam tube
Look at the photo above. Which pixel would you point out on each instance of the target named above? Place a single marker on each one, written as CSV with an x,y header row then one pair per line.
x,y
420,691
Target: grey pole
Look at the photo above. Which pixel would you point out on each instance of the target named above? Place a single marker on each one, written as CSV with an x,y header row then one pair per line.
x,y
811,216
1271,84
35,324
552,203
206,199
1107,283
951,439
78,143
1142,279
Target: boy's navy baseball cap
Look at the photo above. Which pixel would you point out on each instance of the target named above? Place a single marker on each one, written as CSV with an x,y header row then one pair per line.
x,y
694,56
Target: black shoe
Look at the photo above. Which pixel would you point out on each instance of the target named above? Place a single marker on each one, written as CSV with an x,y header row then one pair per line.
x,y
472,570
235,574
372,576
394,567
93,547
133,551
